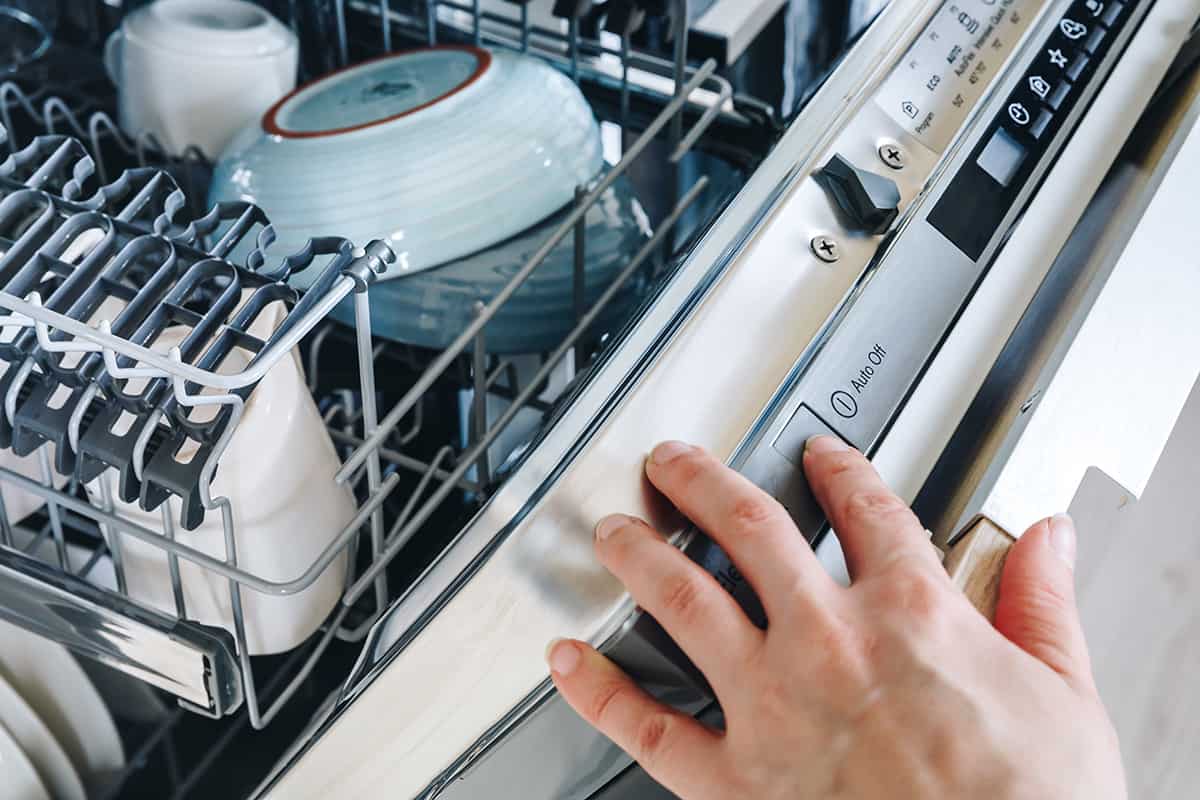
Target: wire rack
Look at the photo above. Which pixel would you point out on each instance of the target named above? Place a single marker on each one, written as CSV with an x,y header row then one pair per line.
x,y
105,246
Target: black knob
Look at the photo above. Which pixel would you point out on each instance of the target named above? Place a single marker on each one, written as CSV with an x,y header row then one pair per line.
x,y
871,202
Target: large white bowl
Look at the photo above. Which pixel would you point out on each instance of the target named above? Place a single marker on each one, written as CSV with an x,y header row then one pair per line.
x,y
432,308
440,152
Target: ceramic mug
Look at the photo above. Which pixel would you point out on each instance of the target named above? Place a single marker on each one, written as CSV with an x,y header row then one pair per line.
x,y
277,472
195,72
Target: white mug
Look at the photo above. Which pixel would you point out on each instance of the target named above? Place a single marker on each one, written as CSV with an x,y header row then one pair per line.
x,y
278,475
195,72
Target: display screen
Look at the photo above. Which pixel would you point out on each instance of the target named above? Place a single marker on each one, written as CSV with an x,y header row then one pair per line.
x,y
1002,157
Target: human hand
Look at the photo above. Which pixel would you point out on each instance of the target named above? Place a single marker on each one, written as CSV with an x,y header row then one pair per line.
x,y
893,688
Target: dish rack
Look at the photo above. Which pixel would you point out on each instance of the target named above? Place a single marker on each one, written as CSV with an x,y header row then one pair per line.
x,y
114,219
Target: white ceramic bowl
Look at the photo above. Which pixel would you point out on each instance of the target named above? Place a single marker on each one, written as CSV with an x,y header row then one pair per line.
x,y
440,152
278,474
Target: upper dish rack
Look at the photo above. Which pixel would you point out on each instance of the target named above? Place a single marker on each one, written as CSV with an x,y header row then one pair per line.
x,y
85,234
66,382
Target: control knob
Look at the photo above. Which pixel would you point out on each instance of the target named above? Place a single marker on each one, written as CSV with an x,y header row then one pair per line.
x,y
870,202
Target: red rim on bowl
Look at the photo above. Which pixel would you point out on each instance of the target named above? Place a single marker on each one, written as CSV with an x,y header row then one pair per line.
x,y
270,122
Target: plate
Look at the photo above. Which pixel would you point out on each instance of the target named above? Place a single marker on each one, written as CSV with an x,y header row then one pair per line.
x,y
440,152
21,781
56,688
44,752
431,308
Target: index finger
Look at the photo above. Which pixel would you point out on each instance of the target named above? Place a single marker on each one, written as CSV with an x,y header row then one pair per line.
x,y
873,525
753,529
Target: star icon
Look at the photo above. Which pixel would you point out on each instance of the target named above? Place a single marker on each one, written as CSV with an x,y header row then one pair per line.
x,y
1057,58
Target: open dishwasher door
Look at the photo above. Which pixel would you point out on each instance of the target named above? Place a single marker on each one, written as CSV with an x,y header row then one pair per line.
x,y
862,284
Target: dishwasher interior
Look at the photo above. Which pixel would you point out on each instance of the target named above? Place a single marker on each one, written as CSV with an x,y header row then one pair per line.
x,y
423,435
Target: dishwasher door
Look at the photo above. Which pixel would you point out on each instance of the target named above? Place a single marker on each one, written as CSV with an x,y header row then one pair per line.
x,y
763,337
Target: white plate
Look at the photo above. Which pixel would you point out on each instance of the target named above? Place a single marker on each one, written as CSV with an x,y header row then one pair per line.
x,y
20,781
50,681
39,745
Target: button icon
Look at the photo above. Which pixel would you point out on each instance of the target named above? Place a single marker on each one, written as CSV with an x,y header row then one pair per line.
x,y
1040,86
1095,6
1019,113
910,109
1073,30
1058,58
844,404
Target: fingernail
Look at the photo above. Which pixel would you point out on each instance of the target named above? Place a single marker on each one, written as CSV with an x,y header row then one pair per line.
x,y
1063,540
825,443
667,452
563,656
610,525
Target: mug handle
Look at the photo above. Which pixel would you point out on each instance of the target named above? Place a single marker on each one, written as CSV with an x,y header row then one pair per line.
x,y
112,57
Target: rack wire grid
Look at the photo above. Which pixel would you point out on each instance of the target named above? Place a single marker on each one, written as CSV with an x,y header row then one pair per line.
x,y
64,154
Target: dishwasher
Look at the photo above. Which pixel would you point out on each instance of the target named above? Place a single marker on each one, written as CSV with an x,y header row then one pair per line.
x,y
292,511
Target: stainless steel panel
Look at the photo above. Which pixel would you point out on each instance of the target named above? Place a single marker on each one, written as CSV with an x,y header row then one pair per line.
x,y
864,372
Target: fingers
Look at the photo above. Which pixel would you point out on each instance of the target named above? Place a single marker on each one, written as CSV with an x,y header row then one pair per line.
x,y
749,525
874,526
700,616
673,748
1036,609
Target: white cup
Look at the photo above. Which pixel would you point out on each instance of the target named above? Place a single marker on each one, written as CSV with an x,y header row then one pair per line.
x,y
195,72
278,475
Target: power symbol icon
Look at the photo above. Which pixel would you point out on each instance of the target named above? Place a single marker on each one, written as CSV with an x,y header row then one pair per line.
x,y
844,404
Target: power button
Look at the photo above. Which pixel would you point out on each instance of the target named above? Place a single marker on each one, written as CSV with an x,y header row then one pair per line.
x,y
789,485
844,404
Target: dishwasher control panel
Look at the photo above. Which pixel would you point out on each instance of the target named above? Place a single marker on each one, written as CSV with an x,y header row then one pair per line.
x,y
859,372
947,70
875,352
986,188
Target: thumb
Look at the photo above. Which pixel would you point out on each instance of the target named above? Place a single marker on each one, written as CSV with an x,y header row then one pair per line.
x,y
1036,609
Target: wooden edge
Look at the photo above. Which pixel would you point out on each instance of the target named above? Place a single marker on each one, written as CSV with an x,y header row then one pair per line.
x,y
976,562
